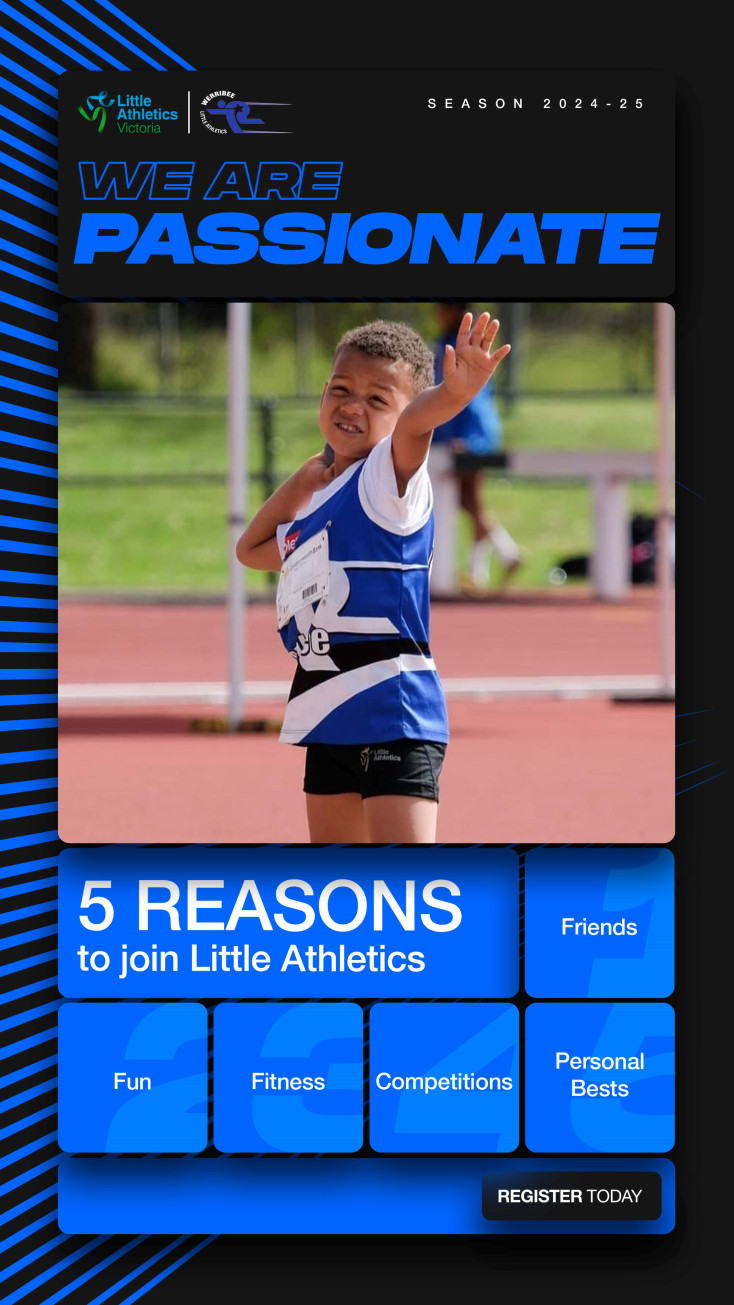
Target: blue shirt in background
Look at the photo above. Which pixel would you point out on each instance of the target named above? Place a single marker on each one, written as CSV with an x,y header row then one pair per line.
x,y
478,425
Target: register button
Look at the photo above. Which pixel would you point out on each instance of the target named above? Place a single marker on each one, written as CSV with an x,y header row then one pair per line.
x,y
620,1194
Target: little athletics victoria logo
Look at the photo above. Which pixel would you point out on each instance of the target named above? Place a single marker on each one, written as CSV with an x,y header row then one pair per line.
x,y
135,114
96,109
223,112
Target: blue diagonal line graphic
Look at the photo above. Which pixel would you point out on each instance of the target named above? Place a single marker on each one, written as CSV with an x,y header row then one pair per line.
x,y
30,227
71,31
28,101
30,1094
686,773
152,40
22,1124
8,645
24,123
19,1075
30,754
27,673
84,1277
14,1183
31,886
5,844
165,1273
26,305
700,782
31,1149
29,627
121,40
72,1258
50,39
36,1254
23,274
42,986
45,863
27,170
35,154
27,1017
31,337
28,523
17,939
38,908
28,1231
35,468
18,359
28,578
27,442
25,786
11,189
25,387
34,54
21,546
31,1201
28,76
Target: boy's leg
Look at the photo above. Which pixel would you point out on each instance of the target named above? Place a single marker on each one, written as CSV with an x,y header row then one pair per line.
x,y
400,819
336,818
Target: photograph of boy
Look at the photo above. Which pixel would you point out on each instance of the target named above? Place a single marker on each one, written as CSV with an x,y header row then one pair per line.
x,y
354,536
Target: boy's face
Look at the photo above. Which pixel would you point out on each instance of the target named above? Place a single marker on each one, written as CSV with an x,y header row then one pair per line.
x,y
362,401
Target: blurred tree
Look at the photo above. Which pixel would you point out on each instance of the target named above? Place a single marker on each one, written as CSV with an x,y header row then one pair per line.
x,y
77,340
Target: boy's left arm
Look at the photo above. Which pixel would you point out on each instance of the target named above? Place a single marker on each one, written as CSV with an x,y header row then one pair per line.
x,y
466,370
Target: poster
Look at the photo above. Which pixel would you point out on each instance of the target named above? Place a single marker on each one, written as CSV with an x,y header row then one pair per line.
x,y
400,205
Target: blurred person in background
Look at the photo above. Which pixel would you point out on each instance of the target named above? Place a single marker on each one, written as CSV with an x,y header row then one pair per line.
x,y
476,429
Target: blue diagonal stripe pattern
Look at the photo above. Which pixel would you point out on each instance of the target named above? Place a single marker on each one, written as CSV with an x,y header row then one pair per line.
x,y
38,45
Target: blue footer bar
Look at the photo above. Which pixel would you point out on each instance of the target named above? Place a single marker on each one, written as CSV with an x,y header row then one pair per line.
x,y
274,1195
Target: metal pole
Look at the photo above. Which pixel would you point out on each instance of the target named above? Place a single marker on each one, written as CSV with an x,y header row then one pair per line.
x,y
665,382
238,347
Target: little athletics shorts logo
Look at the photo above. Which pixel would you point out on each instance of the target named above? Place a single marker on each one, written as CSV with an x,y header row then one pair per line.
x,y
376,755
223,112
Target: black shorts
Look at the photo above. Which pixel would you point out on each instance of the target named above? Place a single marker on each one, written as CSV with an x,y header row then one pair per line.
x,y
404,768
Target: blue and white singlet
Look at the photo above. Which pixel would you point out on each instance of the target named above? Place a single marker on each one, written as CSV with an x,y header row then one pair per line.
x,y
365,672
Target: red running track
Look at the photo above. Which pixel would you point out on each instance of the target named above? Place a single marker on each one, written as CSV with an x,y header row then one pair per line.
x,y
516,772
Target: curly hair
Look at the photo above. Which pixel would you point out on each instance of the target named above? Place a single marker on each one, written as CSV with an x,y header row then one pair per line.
x,y
397,342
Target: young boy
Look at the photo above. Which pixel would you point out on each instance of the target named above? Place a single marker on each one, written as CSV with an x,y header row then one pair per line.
x,y
355,538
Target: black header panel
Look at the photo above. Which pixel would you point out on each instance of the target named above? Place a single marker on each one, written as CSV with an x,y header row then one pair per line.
x,y
427,185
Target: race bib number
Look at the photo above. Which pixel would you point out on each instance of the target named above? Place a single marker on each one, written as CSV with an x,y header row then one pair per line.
x,y
304,577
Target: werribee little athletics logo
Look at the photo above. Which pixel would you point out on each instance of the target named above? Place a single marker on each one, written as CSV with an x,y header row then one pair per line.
x,y
222,112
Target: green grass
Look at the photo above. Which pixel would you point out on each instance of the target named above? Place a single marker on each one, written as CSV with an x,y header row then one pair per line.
x,y
165,538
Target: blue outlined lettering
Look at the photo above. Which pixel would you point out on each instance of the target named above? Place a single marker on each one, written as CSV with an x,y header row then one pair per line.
x,y
281,179
115,180
320,181
231,182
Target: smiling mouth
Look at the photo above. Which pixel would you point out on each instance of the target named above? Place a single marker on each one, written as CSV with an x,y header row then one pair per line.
x,y
347,428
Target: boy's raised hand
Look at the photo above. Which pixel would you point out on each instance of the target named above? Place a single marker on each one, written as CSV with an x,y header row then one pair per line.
x,y
468,366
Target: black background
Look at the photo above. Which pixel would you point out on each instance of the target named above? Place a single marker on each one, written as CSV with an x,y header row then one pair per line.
x,y
576,37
